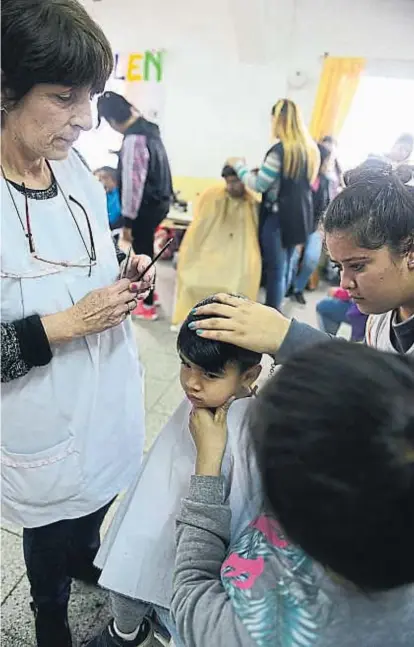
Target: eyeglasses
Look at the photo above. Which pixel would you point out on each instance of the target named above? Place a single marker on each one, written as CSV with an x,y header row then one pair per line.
x,y
90,250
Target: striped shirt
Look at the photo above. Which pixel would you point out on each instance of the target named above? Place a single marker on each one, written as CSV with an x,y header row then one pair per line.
x,y
267,175
135,162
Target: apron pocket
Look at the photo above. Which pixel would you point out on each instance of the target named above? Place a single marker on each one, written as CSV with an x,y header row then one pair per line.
x,y
47,477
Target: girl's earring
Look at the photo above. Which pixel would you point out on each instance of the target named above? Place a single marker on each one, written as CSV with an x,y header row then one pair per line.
x,y
253,391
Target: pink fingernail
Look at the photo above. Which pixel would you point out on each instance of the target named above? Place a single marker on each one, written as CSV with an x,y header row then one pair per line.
x,y
134,287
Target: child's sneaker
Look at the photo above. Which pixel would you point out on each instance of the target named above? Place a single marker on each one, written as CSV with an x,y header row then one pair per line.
x,y
156,298
148,313
109,637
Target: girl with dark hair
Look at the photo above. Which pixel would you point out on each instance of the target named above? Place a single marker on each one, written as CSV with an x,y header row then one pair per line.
x,y
145,180
329,561
284,179
369,234
72,435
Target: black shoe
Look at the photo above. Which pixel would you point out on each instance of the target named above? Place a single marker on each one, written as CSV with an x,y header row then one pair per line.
x,y
300,298
52,627
108,638
289,293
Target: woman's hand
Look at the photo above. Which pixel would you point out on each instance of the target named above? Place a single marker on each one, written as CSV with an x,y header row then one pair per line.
x,y
244,323
233,161
209,432
97,311
136,266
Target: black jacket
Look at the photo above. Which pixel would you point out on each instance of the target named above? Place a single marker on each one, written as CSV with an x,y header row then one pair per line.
x,y
158,185
294,205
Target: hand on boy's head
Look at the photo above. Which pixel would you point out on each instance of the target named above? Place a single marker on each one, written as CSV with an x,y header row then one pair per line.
x,y
209,432
243,323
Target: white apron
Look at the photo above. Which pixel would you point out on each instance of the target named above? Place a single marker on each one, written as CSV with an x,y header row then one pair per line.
x,y
72,431
138,553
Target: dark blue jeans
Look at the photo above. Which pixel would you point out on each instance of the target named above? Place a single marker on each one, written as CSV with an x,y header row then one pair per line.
x,y
56,553
331,313
310,260
278,261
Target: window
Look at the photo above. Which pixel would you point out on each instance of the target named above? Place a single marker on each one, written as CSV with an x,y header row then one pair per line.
x,y
381,111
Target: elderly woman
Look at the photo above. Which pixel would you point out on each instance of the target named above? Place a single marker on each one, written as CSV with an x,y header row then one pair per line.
x,y
72,412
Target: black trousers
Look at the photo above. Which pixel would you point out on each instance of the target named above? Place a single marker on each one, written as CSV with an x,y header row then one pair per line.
x,y
56,553
143,230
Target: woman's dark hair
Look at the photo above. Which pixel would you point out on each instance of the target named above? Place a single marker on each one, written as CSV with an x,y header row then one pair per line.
x,y
376,208
51,41
210,355
114,106
334,433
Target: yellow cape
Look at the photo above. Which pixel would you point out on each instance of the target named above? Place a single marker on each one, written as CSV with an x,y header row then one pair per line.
x,y
220,251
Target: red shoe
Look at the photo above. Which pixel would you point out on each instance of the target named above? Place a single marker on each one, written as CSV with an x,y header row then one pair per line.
x,y
142,311
156,298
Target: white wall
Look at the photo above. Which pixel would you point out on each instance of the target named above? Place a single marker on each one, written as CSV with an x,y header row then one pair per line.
x,y
228,61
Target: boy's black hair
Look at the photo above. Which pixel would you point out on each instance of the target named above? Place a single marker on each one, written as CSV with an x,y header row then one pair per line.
x,y
228,171
112,105
334,436
53,42
210,355
376,208
110,171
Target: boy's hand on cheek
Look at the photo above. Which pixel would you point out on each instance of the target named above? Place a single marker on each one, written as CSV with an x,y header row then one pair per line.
x,y
209,432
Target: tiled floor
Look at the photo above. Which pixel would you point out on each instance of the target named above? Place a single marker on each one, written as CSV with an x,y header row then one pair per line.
x,y
88,607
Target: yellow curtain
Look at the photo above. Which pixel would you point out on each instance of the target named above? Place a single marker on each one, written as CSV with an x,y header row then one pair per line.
x,y
337,88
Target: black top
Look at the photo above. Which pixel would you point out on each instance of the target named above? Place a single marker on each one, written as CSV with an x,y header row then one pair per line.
x,y
402,334
320,199
158,185
294,204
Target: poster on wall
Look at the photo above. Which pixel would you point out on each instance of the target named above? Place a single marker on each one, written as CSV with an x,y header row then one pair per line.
x,y
139,77
142,74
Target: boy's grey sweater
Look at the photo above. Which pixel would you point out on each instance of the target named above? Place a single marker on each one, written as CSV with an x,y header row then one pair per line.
x,y
204,613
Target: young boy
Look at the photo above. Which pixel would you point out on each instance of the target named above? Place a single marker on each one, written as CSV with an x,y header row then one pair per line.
x,y
138,552
108,176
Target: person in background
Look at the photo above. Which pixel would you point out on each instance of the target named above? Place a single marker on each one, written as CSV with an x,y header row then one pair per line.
x,y
399,153
108,176
337,308
402,149
145,180
335,176
220,250
306,263
72,433
284,179
333,169
333,433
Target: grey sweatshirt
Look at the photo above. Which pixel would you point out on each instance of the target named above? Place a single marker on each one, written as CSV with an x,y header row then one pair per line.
x,y
265,592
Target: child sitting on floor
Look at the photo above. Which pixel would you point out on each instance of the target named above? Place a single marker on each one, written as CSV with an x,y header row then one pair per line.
x,y
138,553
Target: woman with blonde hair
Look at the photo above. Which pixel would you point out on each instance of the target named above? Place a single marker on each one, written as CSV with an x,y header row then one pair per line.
x,y
284,179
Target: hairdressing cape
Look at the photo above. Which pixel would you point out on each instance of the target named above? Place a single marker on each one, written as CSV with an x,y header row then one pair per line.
x,y
220,251
137,556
